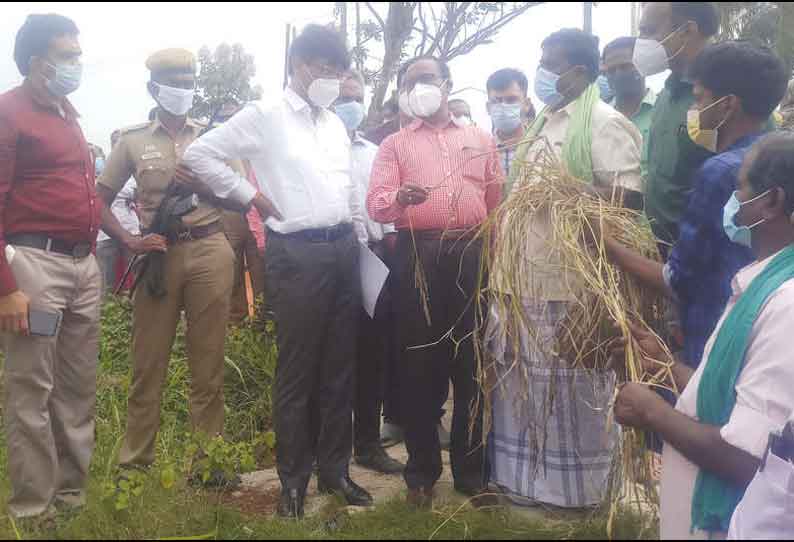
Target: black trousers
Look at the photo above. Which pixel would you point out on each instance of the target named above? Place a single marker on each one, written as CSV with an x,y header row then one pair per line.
x,y
451,269
376,383
316,295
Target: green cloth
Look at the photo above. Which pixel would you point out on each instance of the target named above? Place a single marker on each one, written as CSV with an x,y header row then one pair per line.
x,y
577,149
642,120
672,159
668,183
715,500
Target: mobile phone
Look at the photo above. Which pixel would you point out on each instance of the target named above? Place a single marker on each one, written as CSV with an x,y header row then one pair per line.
x,y
43,323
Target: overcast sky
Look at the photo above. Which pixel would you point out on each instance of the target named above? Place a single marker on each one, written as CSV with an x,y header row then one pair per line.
x,y
117,37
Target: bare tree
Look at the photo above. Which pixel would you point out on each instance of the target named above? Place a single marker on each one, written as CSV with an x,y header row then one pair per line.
x,y
444,29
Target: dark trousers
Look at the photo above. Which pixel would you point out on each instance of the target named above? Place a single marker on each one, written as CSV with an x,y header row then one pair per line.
x,y
451,269
316,295
375,384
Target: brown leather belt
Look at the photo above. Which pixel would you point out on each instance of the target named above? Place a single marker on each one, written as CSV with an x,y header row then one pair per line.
x,y
443,235
194,234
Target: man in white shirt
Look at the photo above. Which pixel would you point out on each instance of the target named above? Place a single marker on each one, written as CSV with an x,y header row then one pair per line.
x,y
763,402
300,153
374,387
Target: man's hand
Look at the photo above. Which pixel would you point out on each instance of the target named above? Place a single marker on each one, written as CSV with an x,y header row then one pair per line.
x,y
14,313
412,194
651,350
149,243
637,405
266,208
188,180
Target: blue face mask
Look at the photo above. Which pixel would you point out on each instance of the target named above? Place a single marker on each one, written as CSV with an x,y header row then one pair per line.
x,y
506,118
351,113
67,79
741,235
546,87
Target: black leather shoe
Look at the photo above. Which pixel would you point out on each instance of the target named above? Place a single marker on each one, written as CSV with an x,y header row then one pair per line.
x,y
291,504
346,488
378,460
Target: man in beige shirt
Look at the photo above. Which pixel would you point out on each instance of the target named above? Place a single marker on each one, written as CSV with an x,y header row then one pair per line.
x,y
571,468
198,264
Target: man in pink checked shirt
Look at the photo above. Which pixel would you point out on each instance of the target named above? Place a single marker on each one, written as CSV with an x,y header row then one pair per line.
x,y
441,181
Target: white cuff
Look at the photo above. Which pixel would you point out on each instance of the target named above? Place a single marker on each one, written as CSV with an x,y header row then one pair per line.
x,y
244,193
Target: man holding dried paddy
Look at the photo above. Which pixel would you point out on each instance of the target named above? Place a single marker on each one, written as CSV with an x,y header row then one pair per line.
x,y
556,450
437,181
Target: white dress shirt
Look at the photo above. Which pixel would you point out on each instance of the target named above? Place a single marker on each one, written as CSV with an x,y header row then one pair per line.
x,y
123,211
764,402
302,163
364,153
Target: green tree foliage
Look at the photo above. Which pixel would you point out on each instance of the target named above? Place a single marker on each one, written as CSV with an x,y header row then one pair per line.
x,y
224,75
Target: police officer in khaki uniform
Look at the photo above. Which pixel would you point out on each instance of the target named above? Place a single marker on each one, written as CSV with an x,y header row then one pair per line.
x,y
199,264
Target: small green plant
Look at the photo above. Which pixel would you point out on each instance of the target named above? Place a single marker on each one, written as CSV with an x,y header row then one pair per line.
x,y
207,457
120,493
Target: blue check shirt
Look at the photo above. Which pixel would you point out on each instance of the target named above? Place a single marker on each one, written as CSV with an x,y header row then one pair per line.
x,y
704,261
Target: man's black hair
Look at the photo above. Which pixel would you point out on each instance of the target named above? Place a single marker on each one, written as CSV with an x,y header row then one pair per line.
x,y
579,47
755,74
503,79
318,42
446,74
773,166
620,43
705,14
36,35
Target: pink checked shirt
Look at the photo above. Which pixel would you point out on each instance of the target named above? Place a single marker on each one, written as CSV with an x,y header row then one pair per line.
x,y
460,167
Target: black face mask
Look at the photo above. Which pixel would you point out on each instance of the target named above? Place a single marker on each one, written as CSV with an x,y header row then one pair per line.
x,y
627,83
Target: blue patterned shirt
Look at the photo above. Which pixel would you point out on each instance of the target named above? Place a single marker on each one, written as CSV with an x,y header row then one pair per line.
x,y
704,261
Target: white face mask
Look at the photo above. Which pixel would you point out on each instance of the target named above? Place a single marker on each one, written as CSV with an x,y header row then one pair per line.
x,y
650,57
425,100
324,92
462,121
405,107
176,101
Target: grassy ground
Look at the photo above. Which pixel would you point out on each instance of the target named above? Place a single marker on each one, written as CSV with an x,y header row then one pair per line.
x,y
159,504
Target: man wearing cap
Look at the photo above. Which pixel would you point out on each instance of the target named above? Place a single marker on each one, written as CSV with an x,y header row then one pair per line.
x,y
198,264
49,219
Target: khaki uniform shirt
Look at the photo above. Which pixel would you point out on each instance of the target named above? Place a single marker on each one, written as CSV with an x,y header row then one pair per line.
x,y
149,154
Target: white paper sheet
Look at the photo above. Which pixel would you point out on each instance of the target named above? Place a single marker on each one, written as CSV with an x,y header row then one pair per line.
x,y
373,277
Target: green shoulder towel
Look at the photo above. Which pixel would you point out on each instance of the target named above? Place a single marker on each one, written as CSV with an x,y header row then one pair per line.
x,y
577,150
715,500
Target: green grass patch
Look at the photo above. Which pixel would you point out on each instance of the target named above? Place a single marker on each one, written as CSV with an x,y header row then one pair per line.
x,y
159,504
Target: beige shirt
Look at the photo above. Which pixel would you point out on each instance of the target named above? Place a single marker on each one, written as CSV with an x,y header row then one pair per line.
x,y
764,402
149,154
616,154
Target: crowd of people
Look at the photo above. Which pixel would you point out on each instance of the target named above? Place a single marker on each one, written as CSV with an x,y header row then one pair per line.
x,y
289,192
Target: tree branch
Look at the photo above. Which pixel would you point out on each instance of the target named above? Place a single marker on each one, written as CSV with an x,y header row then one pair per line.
x,y
377,16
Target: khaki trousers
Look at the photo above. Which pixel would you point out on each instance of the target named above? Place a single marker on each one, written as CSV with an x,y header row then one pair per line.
x,y
199,279
247,256
50,383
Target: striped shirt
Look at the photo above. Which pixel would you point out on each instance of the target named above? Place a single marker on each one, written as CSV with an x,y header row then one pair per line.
x,y
460,166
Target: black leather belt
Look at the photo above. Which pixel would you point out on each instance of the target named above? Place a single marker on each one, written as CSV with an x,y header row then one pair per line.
x,y
192,234
42,241
320,235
